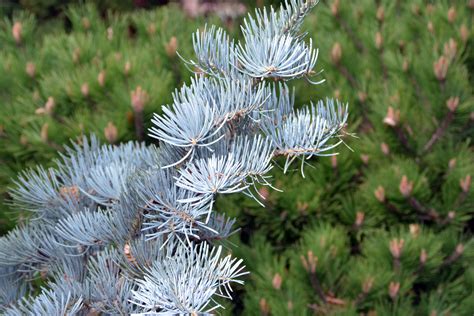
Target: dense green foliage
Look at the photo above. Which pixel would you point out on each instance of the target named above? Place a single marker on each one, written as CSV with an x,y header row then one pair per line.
x,y
383,228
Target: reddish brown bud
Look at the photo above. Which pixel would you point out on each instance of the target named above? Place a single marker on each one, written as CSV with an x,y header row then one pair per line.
x,y
30,69
393,117
423,256
393,289
17,32
360,216
380,194
101,78
367,285
378,40
335,8
139,98
452,15
127,68
171,47
85,89
380,15
465,183
264,307
111,133
70,192
406,187
450,49
452,103
44,132
451,215
459,249
365,158
362,96
310,262
414,230
336,53
264,192
290,305
385,149
396,247
452,163
334,162
276,282
440,68
430,27
405,65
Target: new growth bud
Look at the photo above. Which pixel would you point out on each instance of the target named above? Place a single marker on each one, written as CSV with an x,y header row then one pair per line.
x,y
380,194
452,15
452,103
171,47
440,68
101,78
393,289
310,262
30,69
139,98
465,183
393,117
111,133
276,282
406,187
336,53
17,30
385,149
396,247
378,40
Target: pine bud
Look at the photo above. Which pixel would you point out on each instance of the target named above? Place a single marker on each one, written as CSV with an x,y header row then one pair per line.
x,y
101,78
378,40
365,159
396,247
452,15
23,140
85,89
276,282
430,27
405,65
452,103
151,29
393,289
414,230
30,69
406,187
337,93
139,97
44,132
362,96
423,257
465,183
440,68
360,216
450,49
464,33
70,192
127,68
459,249
335,8
380,194
310,262
111,133
334,162
17,30
290,305
49,105
171,47
392,118
76,55
380,14
336,53
110,33
86,23
264,192
264,307
367,285
451,215
452,163
385,149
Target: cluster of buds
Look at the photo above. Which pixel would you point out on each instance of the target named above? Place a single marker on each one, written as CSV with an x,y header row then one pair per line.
x,y
69,192
465,183
171,47
48,107
139,98
405,187
392,118
309,262
111,133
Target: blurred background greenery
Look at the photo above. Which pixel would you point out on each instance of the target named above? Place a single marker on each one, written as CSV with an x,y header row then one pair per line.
x,y
384,228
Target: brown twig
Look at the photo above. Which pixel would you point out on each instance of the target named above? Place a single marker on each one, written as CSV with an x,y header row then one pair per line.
x,y
317,286
439,131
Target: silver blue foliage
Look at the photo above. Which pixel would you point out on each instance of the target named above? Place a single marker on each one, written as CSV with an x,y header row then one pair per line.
x,y
132,229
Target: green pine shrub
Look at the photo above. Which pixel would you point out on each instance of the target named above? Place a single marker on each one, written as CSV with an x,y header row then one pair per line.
x,y
384,229
105,76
